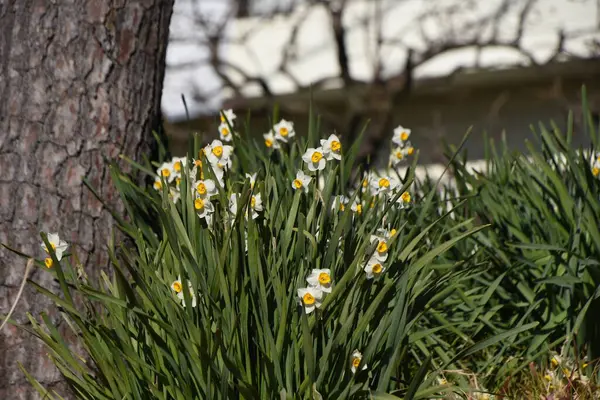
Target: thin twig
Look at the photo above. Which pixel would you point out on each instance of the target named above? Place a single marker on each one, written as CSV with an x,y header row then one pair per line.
x,y
12,309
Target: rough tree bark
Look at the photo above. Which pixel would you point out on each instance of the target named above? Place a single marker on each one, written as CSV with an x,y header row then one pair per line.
x,y
80,81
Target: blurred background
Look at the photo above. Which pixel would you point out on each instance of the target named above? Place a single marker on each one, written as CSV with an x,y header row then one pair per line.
x,y
435,66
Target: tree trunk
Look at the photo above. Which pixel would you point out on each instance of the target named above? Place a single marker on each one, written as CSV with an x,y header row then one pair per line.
x,y
80,82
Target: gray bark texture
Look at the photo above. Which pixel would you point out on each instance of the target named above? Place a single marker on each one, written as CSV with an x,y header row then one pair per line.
x,y
80,82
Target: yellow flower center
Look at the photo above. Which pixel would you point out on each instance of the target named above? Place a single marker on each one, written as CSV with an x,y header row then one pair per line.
x,y
198,204
356,362
177,181
201,188
223,117
384,182
297,183
48,261
198,163
399,155
393,232
308,299
342,206
218,151
51,245
377,268
359,208
177,287
224,131
554,362
406,197
253,202
382,247
165,172
157,185
596,171
584,365
316,157
177,166
336,146
268,142
404,136
283,131
365,182
410,151
548,377
324,278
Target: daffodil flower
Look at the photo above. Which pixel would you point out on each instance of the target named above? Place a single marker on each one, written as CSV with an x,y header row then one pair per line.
x,y
356,207
315,158
219,171
442,381
384,233
320,279
157,185
233,202
256,205
227,115
174,195
332,147
310,298
225,132
355,361
383,184
167,171
204,208
301,182
252,178
284,130
178,164
205,188
596,166
401,135
270,140
219,154
404,200
177,286
374,268
340,203
398,155
381,251
58,246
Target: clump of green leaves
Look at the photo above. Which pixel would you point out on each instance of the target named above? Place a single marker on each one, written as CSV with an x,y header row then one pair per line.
x,y
480,278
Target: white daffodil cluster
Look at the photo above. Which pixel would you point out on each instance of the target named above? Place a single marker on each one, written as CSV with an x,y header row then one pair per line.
x,y
58,247
374,266
169,173
402,146
207,178
319,284
316,157
227,118
177,287
281,132
387,186
596,166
